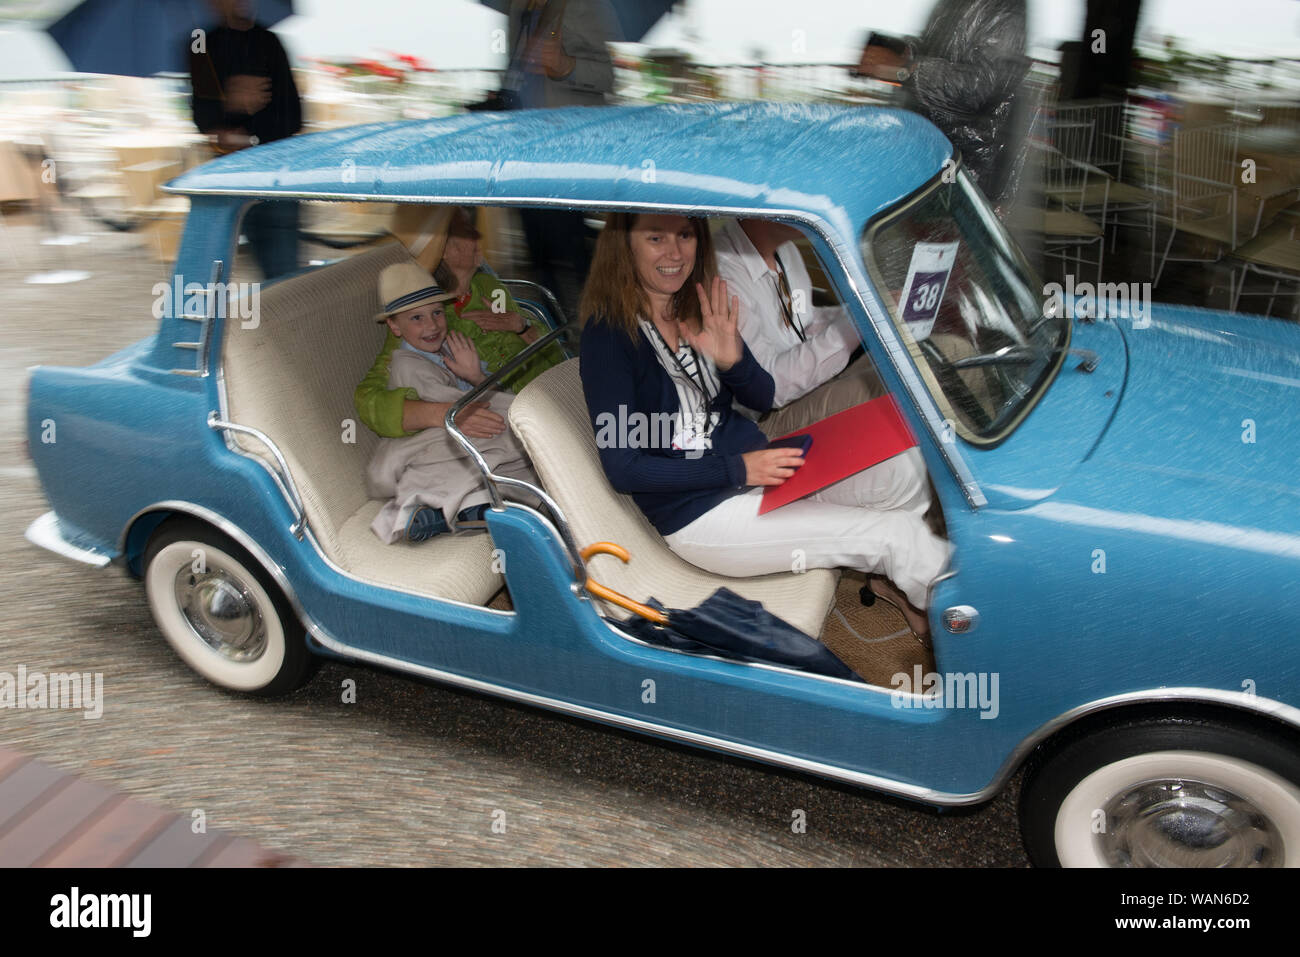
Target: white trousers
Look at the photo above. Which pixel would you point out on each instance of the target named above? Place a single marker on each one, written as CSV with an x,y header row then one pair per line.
x,y
872,521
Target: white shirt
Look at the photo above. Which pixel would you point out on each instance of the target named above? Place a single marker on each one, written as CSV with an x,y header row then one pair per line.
x,y
797,367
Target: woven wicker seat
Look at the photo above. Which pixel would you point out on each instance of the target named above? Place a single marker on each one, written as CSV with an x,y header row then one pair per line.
x,y
292,377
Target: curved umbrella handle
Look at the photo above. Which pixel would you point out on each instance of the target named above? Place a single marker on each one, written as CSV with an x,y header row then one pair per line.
x,y
613,597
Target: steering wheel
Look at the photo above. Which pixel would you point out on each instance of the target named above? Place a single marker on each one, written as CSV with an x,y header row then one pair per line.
x,y
954,386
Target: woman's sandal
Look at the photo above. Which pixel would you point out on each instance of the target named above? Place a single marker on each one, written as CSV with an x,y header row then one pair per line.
x,y
883,589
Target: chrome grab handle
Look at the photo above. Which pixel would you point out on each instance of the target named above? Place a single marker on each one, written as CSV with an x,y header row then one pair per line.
x,y
204,345
299,526
549,296
493,481
205,333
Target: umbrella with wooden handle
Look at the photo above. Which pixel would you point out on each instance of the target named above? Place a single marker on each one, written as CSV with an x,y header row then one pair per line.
x,y
724,624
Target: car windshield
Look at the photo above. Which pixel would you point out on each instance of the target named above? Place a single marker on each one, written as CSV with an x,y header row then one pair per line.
x,y
967,306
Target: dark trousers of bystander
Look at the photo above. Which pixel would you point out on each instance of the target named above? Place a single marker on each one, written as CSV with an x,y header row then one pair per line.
x,y
557,244
272,231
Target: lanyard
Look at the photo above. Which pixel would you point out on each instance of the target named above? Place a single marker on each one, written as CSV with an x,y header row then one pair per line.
x,y
699,366
787,300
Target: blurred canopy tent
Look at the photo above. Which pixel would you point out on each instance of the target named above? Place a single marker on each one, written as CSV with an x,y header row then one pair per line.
x,y
142,37
636,17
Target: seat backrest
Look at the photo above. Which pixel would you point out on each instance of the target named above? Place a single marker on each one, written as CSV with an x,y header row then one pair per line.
x,y
292,376
550,418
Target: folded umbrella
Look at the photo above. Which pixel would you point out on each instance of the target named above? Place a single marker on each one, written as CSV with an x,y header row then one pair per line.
x,y
724,624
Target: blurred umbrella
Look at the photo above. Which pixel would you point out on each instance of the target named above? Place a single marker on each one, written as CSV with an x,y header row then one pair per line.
x,y
142,37
636,17
724,624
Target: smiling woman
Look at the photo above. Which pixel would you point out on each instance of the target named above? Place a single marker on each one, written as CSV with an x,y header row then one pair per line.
x,y
663,339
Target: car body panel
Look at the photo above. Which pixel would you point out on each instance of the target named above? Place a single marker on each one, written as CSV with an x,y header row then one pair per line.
x,y
1058,636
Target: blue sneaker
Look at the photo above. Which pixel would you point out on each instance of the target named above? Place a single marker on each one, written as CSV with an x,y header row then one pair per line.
x,y
424,524
474,513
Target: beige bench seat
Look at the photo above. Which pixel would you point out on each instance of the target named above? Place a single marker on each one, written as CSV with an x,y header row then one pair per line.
x,y
292,376
550,418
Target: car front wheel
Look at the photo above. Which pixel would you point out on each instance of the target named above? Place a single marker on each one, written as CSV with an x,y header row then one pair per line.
x,y
1165,793
221,613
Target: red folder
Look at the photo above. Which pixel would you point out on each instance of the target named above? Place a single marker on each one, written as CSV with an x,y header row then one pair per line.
x,y
843,444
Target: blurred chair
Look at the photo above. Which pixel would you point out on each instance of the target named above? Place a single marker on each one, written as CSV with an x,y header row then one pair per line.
x,y
1095,135
160,217
1272,255
1061,222
1205,200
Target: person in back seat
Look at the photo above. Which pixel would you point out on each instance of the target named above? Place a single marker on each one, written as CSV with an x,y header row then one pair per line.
x,y
443,240
662,346
428,477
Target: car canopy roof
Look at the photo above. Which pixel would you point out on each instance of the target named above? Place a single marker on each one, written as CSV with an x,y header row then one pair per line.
x,y
843,164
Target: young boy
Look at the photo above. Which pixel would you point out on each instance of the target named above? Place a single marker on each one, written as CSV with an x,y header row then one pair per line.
x,y
428,477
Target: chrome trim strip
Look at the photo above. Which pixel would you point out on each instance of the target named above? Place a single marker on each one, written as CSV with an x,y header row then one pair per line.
x,y
205,333
921,399
696,738
299,525
192,373
46,532
186,345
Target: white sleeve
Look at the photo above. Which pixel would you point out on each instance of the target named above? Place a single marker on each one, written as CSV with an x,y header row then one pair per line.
x,y
799,368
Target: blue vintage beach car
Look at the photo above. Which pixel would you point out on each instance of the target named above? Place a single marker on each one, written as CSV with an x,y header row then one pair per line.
x,y
1121,488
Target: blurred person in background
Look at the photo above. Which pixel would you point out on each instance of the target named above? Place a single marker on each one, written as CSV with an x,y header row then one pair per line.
x,y
558,57
243,94
963,75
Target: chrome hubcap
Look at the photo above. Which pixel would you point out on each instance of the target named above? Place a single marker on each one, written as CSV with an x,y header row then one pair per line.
x,y
1186,823
222,612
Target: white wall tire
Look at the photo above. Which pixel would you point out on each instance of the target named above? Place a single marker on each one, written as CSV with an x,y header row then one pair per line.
x,y
1166,793
221,614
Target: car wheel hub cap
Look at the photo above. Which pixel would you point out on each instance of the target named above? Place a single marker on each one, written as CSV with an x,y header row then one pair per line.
x,y
1186,823
221,612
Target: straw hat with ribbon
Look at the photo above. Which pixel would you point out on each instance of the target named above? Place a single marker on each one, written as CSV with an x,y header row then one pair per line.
x,y
404,286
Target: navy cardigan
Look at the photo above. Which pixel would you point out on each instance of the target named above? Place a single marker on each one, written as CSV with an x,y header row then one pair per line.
x,y
670,487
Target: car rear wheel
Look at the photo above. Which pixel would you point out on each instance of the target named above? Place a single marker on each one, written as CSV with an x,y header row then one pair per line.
x,y
221,612
1165,793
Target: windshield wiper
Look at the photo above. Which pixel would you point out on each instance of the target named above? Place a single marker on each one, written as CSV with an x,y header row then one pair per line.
x,y
1007,354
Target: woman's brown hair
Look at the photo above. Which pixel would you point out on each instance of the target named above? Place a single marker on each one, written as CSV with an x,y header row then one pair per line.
x,y
613,293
